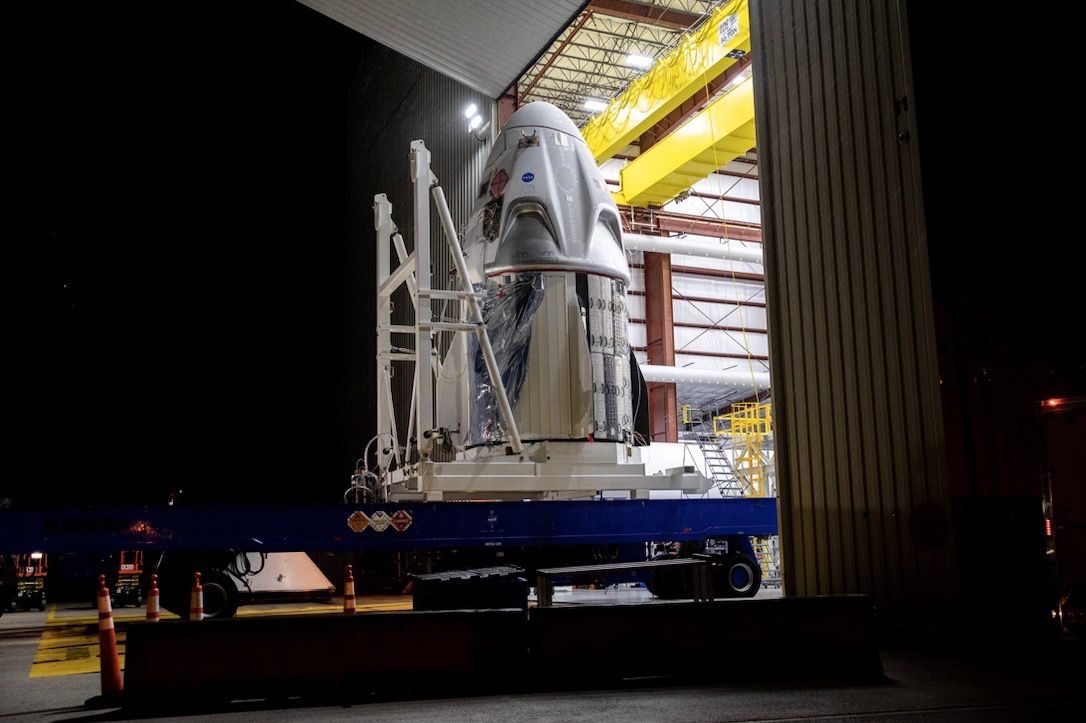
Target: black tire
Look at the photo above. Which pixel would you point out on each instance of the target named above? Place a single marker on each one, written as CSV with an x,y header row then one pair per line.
x,y
737,575
220,595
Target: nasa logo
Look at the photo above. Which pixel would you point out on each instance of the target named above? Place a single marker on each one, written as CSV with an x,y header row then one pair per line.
x,y
528,177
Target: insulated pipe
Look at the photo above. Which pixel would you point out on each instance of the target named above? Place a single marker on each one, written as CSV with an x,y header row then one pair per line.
x,y
477,314
714,377
667,245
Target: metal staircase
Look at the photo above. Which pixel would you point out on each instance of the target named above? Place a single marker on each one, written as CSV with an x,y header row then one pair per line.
x,y
717,462
737,451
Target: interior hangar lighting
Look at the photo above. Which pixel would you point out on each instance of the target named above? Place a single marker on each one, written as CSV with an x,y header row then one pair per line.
x,y
595,105
476,125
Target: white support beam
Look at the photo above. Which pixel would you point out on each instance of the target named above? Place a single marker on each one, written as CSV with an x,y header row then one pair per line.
x,y
420,206
504,407
402,273
386,414
730,250
401,253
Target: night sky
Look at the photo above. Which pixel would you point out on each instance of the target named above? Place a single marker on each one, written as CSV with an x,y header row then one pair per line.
x,y
175,293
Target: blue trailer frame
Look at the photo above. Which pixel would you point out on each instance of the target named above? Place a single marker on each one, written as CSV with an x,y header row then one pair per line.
x,y
392,526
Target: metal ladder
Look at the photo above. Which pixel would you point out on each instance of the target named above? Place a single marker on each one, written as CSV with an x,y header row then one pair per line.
x,y
717,462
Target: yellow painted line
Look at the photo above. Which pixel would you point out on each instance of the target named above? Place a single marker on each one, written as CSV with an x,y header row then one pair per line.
x,y
256,611
67,649
69,645
267,611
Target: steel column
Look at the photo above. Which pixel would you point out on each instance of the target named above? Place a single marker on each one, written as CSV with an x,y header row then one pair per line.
x,y
660,333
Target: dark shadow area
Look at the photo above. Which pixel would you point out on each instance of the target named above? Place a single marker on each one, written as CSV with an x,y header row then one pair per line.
x,y
176,286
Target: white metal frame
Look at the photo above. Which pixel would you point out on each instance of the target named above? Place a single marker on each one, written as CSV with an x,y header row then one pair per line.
x,y
414,271
573,469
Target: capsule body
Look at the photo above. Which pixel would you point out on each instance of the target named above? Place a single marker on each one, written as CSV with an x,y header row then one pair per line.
x,y
544,243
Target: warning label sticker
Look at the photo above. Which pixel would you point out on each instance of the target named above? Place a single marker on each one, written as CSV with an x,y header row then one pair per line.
x,y
380,520
358,521
729,28
401,520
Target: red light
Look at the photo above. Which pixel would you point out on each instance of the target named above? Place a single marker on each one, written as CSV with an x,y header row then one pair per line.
x,y
1048,527
1052,402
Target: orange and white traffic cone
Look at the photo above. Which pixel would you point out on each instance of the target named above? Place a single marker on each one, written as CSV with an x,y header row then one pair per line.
x,y
348,592
196,608
152,601
107,644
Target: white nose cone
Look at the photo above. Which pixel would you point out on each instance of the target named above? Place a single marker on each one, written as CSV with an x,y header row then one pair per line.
x,y
544,205
542,115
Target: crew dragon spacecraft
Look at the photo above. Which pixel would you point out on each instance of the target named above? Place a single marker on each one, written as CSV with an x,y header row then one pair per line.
x,y
545,243
537,301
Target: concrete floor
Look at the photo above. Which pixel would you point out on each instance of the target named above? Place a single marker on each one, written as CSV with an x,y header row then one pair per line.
x,y
918,686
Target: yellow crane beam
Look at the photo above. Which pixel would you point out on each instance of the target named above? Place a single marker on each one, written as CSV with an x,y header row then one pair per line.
x,y
698,58
718,134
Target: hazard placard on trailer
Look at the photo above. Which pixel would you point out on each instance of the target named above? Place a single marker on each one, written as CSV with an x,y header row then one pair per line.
x,y
358,521
380,520
401,520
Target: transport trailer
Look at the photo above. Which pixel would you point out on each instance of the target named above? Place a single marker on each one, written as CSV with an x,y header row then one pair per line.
x,y
385,526
544,531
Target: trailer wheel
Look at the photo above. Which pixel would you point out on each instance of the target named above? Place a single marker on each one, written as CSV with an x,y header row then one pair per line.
x,y
220,595
737,575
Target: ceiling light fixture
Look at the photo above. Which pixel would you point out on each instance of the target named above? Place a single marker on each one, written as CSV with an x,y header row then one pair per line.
x,y
639,61
595,105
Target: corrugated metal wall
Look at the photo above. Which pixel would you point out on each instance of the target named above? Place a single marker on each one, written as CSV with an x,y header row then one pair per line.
x,y
863,492
483,43
395,100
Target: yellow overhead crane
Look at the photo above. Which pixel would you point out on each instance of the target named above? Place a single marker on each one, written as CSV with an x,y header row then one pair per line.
x,y
698,58
709,140
721,132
